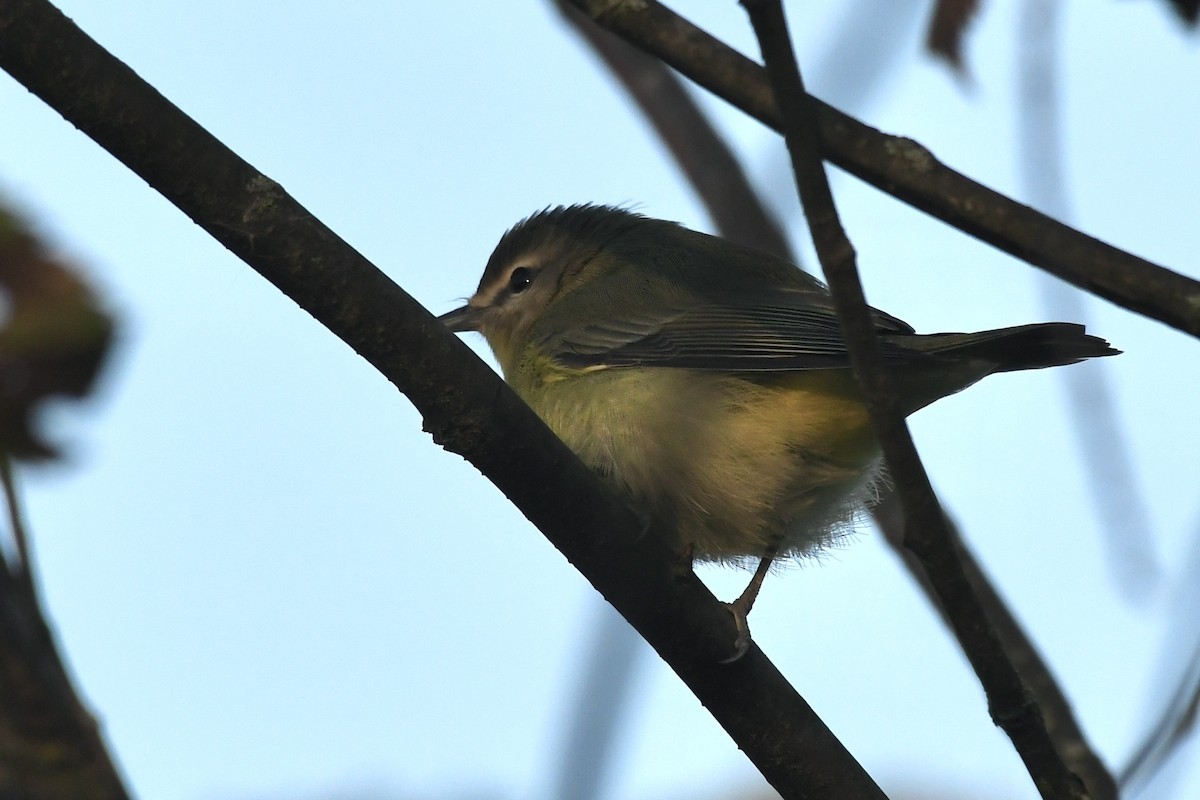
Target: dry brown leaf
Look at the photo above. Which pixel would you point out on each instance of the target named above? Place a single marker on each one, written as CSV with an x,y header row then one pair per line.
x,y
947,29
53,337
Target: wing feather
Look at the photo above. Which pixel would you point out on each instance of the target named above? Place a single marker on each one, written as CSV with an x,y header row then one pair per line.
x,y
777,330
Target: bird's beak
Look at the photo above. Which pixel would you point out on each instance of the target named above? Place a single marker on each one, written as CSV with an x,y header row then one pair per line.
x,y
467,318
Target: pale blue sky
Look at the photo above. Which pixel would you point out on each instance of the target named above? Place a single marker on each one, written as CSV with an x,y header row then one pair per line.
x,y
270,583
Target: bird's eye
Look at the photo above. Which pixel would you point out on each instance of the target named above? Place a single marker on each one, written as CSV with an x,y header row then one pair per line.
x,y
520,280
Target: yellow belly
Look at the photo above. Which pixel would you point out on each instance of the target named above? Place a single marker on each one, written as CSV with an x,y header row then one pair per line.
x,y
734,466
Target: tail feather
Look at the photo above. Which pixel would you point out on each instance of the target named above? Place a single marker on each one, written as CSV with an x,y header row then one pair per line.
x,y
1047,344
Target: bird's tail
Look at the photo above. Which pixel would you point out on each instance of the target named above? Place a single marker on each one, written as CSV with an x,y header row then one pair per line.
x,y
1047,344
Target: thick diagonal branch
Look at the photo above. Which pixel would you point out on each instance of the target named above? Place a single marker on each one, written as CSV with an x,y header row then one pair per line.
x,y
465,405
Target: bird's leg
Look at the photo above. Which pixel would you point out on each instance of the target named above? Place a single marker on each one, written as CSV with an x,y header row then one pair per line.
x,y
745,601
740,608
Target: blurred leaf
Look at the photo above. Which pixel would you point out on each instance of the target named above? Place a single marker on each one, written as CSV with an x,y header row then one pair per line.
x,y
53,336
1188,10
947,29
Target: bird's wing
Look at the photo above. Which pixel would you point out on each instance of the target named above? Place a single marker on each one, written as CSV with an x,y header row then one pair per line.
x,y
779,330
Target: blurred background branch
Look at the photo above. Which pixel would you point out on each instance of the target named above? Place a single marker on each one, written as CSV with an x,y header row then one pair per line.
x,y
1104,453
911,173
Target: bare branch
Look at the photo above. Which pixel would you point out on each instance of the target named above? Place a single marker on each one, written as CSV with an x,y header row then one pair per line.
x,y
926,533
465,405
744,212
909,172
50,747
1069,741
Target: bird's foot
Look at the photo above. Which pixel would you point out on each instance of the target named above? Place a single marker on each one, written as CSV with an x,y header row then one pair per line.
x,y
741,624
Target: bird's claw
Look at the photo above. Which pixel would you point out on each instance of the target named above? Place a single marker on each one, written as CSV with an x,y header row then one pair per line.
x,y
741,624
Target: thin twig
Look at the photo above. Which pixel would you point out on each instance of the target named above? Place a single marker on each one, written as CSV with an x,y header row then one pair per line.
x,y
909,172
925,529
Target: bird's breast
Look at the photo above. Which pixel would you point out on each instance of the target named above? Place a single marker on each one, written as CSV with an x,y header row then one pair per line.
x,y
729,463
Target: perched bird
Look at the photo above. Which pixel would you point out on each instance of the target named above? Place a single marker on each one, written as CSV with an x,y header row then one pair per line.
x,y
707,382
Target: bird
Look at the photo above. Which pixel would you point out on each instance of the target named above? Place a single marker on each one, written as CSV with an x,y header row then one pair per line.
x,y
708,383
